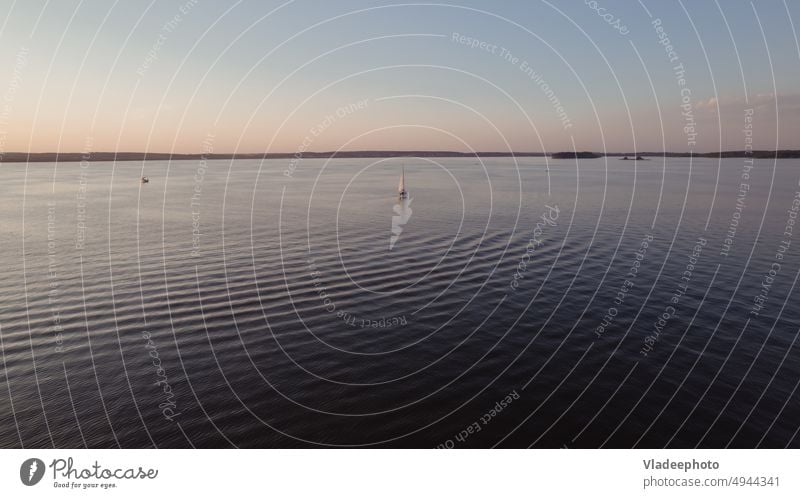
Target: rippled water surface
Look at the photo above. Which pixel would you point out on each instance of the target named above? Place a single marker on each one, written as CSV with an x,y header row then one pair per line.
x,y
598,303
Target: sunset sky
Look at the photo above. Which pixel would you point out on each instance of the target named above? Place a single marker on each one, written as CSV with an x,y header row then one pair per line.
x,y
273,76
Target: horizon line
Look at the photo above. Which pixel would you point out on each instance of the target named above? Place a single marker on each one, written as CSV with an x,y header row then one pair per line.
x,y
96,156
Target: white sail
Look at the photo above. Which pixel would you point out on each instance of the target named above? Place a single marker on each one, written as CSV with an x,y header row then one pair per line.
x,y
401,188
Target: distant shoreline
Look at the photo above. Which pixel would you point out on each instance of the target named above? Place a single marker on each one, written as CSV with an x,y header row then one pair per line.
x,y
38,157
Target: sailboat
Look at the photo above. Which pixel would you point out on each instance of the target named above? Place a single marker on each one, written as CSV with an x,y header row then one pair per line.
x,y
402,193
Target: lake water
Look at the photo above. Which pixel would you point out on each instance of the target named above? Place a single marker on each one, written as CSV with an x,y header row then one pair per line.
x,y
242,303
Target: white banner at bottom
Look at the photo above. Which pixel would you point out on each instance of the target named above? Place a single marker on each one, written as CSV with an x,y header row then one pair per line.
x,y
399,473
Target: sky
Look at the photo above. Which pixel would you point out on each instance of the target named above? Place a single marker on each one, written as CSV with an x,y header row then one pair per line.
x,y
250,76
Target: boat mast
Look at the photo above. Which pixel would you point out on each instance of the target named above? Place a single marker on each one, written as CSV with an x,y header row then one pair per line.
x,y
401,189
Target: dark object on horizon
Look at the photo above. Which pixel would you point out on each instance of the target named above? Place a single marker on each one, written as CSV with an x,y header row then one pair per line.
x,y
640,158
575,155
625,159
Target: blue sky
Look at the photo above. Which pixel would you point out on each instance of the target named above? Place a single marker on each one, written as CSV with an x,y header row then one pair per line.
x,y
261,75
